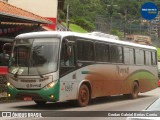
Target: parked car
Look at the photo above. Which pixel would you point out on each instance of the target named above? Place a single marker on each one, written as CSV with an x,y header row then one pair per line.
x,y
153,109
159,74
158,83
159,69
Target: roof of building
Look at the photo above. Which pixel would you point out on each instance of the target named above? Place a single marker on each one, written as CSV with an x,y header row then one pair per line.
x,y
10,13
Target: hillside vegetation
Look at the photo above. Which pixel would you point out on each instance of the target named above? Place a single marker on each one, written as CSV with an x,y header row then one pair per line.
x,y
85,12
113,15
75,28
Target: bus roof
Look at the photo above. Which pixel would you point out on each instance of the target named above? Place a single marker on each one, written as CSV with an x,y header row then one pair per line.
x,y
81,35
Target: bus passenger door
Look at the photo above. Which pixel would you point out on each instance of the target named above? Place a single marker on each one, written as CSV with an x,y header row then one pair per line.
x,y
67,70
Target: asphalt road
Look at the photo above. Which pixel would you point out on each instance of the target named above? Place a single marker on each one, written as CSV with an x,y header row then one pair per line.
x,y
114,103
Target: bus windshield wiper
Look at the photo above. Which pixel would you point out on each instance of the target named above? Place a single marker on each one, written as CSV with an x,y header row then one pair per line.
x,y
39,73
16,74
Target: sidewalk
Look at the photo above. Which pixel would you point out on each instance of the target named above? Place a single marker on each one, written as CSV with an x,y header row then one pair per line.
x,y
4,98
3,90
4,94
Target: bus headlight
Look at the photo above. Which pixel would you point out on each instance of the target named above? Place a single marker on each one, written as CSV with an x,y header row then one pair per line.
x,y
10,85
50,85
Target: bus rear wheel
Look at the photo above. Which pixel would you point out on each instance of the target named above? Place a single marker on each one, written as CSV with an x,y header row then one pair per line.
x,y
39,102
83,96
135,90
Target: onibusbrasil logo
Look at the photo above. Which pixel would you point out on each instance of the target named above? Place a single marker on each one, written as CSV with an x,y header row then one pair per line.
x,y
149,10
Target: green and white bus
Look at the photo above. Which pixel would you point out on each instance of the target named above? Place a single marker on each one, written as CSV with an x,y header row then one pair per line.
x,y
58,66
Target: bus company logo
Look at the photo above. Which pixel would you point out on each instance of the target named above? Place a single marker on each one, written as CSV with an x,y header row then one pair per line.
x,y
27,85
33,85
149,10
122,71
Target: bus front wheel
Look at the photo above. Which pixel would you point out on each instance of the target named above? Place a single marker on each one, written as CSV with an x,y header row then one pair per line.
x,y
38,102
83,96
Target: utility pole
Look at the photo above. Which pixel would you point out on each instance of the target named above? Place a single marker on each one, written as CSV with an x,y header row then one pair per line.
x,y
110,7
140,25
67,18
125,21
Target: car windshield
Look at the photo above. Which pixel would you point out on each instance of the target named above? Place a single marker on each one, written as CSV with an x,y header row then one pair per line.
x,y
34,56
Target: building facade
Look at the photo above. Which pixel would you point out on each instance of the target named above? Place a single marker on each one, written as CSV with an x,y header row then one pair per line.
x,y
44,8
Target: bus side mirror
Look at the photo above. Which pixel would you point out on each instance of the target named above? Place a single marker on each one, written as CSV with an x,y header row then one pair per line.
x,y
10,61
4,58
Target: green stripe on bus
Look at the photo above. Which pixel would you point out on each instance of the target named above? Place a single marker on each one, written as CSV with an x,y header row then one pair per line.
x,y
86,72
147,76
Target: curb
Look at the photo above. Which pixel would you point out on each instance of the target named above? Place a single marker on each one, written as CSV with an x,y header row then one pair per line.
x,y
7,100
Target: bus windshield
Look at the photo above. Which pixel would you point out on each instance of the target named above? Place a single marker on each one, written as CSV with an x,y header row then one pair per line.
x,y
34,56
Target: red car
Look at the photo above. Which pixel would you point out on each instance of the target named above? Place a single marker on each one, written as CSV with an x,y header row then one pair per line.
x,y
3,70
158,83
159,74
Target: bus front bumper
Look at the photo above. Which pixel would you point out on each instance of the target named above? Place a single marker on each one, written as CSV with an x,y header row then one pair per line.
x,y
50,94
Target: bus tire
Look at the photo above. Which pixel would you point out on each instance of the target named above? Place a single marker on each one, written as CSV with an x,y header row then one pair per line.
x,y
135,91
39,102
83,96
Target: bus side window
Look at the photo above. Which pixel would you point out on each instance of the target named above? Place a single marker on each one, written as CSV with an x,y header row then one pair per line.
x,y
67,60
67,55
154,58
126,55
131,56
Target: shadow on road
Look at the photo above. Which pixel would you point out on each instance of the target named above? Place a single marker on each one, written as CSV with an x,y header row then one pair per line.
x,y
67,104
110,99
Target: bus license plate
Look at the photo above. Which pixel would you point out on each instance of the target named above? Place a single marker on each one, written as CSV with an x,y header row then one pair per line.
x,y
27,98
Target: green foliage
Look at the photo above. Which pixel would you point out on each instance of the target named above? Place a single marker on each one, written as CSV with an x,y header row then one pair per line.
x,y
76,28
86,12
158,53
61,15
117,33
83,23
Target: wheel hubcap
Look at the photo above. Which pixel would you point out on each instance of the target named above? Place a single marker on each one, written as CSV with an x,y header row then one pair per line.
x,y
135,91
83,95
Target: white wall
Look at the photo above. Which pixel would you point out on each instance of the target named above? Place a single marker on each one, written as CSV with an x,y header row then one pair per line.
x,y
44,8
